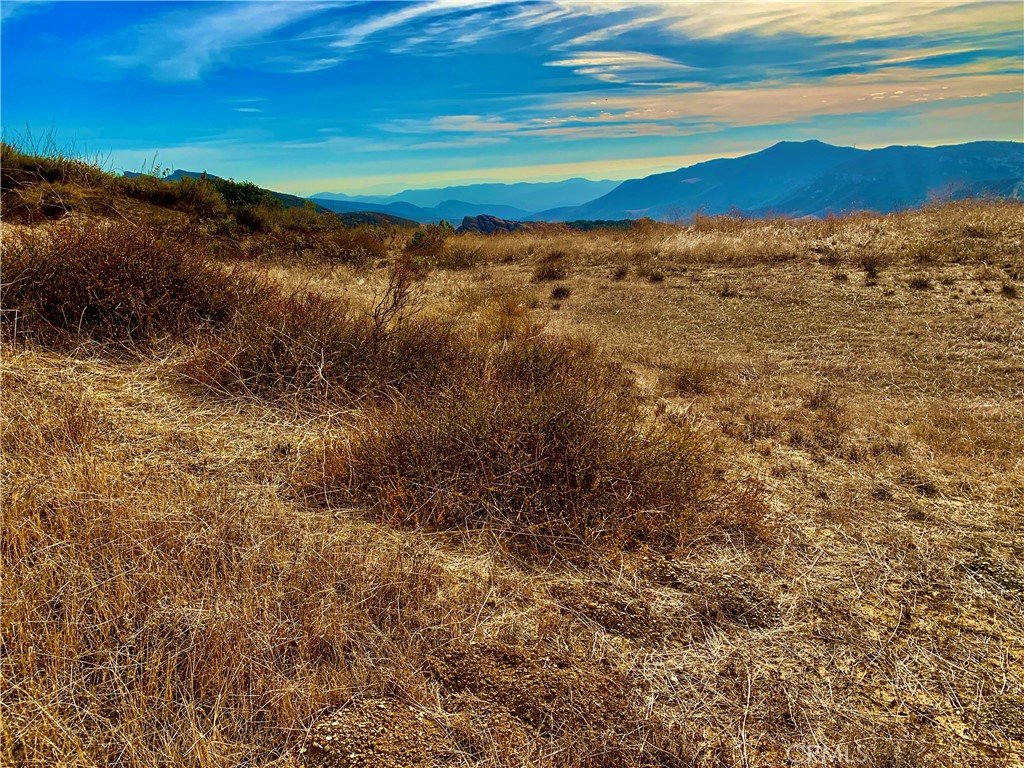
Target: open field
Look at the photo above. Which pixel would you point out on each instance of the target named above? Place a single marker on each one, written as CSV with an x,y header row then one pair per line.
x,y
741,493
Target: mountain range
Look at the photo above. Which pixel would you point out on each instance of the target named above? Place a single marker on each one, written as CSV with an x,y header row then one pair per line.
x,y
808,178
811,178
507,201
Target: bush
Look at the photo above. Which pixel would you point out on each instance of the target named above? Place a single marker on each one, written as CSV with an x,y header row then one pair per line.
x,y
357,247
308,345
693,376
651,274
561,292
872,265
547,442
25,165
196,196
243,194
548,271
114,282
425,249
921,283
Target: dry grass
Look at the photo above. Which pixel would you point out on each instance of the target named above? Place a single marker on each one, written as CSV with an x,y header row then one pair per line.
x,y
847,588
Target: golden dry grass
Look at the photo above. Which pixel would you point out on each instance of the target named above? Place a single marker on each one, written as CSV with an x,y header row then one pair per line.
x,y
172,595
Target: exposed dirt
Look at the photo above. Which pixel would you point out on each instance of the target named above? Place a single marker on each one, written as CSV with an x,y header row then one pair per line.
x,y
377,733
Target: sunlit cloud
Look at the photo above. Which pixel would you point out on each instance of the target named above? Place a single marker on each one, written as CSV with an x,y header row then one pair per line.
x,y
618,66
852,94
845,20
451,124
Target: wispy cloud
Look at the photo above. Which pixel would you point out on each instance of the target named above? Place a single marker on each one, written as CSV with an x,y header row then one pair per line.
x,y
356,35
615,66
12,9
184,47
847,95
451,124
845,20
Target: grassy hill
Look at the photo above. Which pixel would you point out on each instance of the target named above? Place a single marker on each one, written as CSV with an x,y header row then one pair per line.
x,y
282,492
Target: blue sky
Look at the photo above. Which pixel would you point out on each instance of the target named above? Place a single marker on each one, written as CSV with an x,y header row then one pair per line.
x,y
379,96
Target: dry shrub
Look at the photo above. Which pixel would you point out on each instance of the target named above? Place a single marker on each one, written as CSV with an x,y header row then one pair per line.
x,y
357,246
458,253
695,375
163,618
31,163
195,196
726,223
546,442
920,283
114,282
551,267
309,345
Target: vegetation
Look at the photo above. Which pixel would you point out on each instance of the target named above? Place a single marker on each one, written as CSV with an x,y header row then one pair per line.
x,y
281,491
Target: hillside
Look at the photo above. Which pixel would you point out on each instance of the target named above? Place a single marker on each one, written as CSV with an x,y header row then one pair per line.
x,y
812,178
284,493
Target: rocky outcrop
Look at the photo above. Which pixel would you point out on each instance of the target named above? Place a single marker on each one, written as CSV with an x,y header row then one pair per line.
x,y
488,225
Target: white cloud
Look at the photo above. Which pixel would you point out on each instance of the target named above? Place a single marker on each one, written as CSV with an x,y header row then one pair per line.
x,y
451,124
618,66
12,9
357,34
175,50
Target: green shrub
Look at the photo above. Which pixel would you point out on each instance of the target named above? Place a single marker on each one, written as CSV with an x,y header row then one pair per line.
x,y
426,247
243,194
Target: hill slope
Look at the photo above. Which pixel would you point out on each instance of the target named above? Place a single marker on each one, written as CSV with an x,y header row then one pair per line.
x,y
811,177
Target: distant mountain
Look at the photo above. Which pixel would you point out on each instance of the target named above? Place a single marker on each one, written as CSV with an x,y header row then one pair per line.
x,y
176,176
812,178
449,210
490,199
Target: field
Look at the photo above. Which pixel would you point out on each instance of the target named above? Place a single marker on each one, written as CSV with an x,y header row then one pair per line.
x,y
737,493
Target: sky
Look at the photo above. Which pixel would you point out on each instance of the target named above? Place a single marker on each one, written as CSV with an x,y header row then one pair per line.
x,y
380,96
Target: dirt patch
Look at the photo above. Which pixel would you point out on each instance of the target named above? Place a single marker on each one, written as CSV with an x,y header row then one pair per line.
x,y
526,701
377,733
611,608
716,597
543,690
